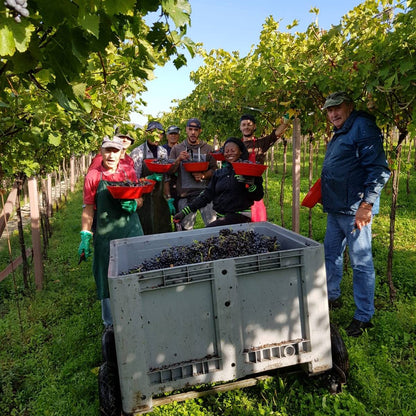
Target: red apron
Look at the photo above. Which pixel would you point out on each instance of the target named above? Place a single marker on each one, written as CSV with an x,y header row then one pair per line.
x,y
258,209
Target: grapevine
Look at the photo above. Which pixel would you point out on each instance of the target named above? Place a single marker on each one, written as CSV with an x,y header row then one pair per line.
x,y
224,245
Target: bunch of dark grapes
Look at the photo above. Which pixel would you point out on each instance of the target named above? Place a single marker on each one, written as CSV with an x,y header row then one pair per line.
x,y
248,162
18,7
224,245
142,182
162,162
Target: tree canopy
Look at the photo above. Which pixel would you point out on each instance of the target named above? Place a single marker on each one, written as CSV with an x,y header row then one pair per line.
x,y
71,70
370,53
68,70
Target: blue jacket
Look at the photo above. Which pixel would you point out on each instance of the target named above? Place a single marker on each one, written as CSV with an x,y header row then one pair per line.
x,y
355,168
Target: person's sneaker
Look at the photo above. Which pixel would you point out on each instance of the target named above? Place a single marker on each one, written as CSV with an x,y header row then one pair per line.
x,y
335,303
356,327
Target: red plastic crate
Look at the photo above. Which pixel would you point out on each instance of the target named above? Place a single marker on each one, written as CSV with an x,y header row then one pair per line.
x,y
248,169
196,166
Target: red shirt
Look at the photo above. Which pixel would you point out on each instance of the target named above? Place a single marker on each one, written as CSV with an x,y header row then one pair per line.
x,y
95,175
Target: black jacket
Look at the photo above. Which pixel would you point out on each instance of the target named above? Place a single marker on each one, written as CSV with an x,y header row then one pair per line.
x,y
227,193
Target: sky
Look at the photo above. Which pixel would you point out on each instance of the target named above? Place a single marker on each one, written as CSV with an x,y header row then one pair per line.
x,y
232,25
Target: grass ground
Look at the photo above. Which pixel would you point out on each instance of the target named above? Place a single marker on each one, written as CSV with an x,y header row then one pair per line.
x,y
50,340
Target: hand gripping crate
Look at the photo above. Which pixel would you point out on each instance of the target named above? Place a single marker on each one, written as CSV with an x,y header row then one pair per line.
x,y
216,321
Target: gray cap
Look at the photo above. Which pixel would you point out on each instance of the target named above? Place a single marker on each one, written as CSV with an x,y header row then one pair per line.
x,y
114,143
336,98
121,135
172,129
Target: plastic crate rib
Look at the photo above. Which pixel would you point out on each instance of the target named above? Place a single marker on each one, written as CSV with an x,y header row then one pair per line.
x,y
179,275
271,352
184,370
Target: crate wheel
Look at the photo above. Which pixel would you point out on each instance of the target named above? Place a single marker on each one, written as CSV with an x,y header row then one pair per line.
x,y
108,346
109,390
340,362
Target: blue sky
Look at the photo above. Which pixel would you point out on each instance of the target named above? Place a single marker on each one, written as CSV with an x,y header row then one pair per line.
x,y
233,25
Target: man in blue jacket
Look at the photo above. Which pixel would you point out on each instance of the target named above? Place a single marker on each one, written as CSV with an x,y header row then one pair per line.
x,y
354,172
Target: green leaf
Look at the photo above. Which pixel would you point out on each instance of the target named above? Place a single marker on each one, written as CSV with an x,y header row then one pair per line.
x,y
79,90
54,139
44,76
23,62
22,34
180,61
63,100
56,13
113,7
91,23
7,45
86,106
178,10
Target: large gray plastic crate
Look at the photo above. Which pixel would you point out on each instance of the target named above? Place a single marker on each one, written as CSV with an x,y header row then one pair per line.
x,y
219,320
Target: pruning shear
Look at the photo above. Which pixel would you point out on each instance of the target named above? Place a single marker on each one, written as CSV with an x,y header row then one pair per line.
x,y
82,258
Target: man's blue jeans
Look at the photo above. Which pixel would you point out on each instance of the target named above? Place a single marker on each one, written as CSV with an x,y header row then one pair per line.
x,y
339,233
106,312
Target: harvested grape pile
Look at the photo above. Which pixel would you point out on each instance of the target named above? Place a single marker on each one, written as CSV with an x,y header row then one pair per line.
x,y
142,182
224,245
162,162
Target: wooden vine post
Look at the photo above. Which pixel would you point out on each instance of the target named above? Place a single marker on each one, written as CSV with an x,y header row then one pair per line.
x,y
49,208
296,144
8,208
310,179
35,225
72,173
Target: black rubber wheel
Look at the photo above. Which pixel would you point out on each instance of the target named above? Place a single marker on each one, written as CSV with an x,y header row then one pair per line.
x,y
340,361
108,346
109,390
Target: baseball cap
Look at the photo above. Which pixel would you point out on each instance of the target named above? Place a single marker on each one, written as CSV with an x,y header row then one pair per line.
x,y
336,98
193,122
125,136
172,129
114,143
155,125
248,117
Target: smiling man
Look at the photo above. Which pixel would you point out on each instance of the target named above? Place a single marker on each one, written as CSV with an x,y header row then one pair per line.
x,y
354,172
190,185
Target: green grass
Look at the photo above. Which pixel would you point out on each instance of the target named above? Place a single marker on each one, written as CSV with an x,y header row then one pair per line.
x,y
51,339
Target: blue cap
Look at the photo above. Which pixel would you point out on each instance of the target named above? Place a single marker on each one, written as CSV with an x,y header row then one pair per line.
x,y
172,129
193,122
155,125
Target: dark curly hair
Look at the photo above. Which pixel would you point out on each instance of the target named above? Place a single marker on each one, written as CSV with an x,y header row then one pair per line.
x,y
240,144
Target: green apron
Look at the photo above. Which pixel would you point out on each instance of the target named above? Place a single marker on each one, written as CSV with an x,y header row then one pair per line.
x,y
113,222
154,213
